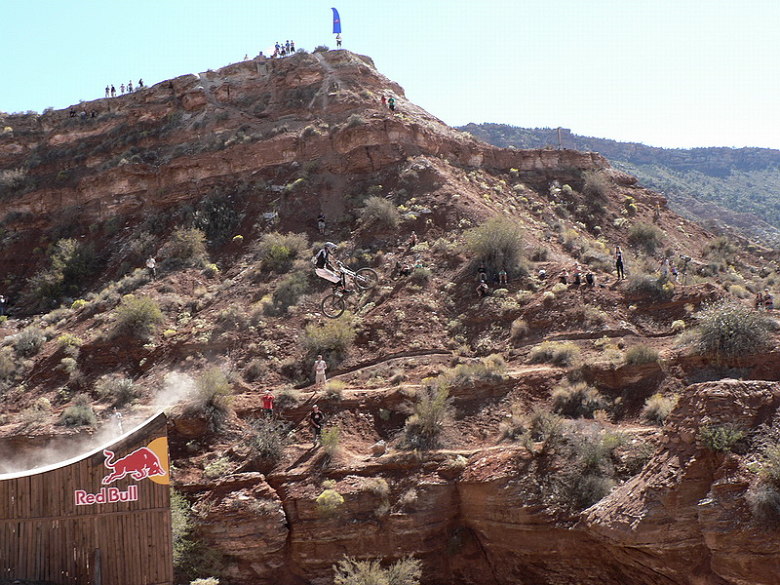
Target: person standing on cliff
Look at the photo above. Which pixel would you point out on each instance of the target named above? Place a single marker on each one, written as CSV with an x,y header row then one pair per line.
x,y
129,87
113,91
108,91
316,420
2,305
619,263
268,404
151,265
122,89
319,372
391,104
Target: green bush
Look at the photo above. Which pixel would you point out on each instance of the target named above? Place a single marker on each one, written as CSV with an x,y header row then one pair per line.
x,y
518,329
330,439
379,214
650,286
545,427
490,368
645,237
329,502
291,288
658,407
559,353
186,246
213,396
217,216
29,341
764,502
353,572
117,390
577,400
729,329
589,489
420,276
219,467
277,252
79,413
269,440
498,243
597,185
333,340
70,265
720,437
641,354
137,316
431,411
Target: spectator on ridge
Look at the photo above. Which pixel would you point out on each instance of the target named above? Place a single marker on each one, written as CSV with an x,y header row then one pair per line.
x,y
316,420
108,91
268,404
113,91
619,263
319,372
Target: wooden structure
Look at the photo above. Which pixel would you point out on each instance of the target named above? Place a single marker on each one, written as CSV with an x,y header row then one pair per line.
x,y
99,519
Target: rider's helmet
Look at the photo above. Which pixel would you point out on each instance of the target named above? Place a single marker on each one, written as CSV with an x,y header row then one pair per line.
x,y
329,245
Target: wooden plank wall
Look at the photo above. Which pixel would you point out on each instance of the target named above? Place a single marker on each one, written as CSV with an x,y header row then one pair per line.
x,y
45,536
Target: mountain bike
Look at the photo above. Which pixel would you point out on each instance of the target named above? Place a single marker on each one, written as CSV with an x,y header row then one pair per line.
x,y
334,305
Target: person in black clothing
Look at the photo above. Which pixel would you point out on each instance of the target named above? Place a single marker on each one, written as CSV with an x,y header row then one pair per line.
x,y
324,269
619,263
316,420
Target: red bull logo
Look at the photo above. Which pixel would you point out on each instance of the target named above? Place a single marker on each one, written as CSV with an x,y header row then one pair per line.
x,y
107,496
139,464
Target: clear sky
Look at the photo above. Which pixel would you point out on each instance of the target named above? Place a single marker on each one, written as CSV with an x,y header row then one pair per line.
x,y
672,73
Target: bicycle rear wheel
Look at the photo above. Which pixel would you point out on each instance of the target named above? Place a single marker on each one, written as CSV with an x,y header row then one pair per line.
x,y
333,306
366,278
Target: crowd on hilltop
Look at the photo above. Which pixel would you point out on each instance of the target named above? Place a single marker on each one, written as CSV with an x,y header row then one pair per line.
x,y
288,48
123,89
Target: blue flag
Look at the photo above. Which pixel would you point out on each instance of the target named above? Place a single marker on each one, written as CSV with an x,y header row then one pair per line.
x,y
336,22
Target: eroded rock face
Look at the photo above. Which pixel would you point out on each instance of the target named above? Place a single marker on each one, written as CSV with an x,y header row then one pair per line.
x,y
685,517
682,521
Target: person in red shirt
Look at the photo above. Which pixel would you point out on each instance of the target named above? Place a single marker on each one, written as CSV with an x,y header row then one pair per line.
x,y
268,404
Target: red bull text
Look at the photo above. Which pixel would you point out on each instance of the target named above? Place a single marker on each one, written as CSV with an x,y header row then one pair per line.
x,y
107,496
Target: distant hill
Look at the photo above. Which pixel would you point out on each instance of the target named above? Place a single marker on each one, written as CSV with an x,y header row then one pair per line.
x,y
739,187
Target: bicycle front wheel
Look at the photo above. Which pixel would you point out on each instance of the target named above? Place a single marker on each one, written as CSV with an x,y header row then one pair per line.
x,y
366,278
333,306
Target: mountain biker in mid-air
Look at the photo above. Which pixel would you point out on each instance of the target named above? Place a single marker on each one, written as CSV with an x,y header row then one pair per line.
x,y
324,269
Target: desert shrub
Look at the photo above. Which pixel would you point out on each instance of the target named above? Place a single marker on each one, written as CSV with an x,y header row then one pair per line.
x,y
545,427
770,462
277,252
560,353
729,329
233,318
186,246
329,502
8,364
720,249
333,390
219,467
518,329
420,276
597,185
589,489
490,368
739,291
79,413
720,437
205,581
68,340
431,412
117,390
333,340
190,556
269,439
330,439
577,400
658,407
255,369
70,264
645,237
287,398
217,216
213,396
12,178
379,214
678,325
641,354
137,316
353,572
291,288
497,244
764,502
649,285
29,341
321,49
